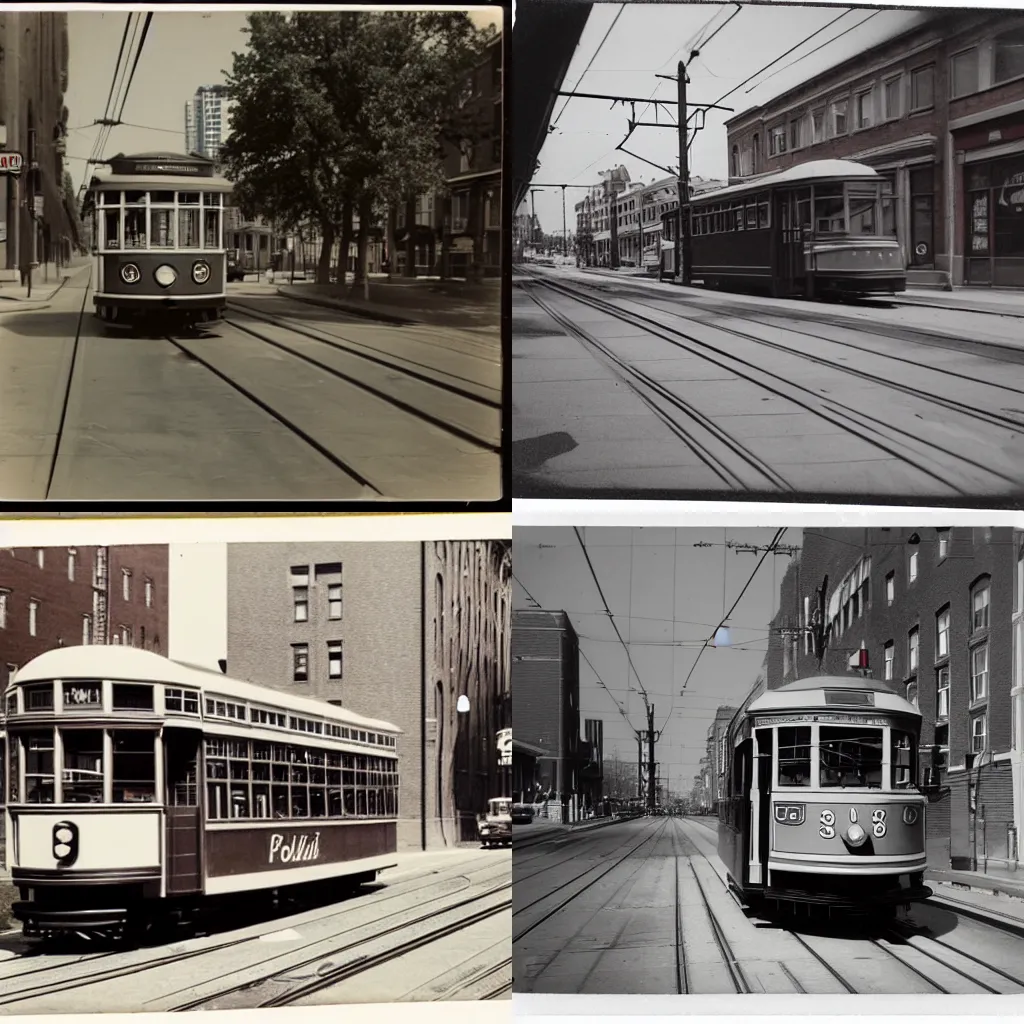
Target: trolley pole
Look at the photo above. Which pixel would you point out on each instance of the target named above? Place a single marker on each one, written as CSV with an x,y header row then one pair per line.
x,y
683,235
651,766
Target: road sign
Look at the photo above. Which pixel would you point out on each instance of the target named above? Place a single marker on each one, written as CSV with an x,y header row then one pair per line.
x,y
10,163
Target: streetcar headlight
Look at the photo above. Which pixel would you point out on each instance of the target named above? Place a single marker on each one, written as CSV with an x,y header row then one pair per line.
x,y
165,275
200,272
65,843
130,273
856,836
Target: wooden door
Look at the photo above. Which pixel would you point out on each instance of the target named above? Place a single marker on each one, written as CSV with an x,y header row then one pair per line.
x,y
183,822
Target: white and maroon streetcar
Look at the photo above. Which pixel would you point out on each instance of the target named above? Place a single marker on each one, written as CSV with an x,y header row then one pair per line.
x,y
141,789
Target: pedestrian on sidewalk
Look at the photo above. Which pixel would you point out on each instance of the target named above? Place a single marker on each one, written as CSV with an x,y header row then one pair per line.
x,y
270,275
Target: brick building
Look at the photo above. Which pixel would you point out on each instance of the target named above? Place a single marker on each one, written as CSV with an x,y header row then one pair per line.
x,y
939,612
63,596
939,112
34,51
546,704
717,754
385,630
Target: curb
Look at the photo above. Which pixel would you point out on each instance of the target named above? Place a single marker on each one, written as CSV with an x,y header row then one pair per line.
x,y
387,318
24,306
993,889
23,303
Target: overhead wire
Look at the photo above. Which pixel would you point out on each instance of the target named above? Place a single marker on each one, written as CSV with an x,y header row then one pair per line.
x,y
593,57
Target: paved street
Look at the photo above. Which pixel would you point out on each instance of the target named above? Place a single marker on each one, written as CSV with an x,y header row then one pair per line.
x,y
623,386
434,927
642,907
282,400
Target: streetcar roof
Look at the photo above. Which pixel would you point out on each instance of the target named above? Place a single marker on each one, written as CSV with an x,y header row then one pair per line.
x,y
813,170
158,183
821,692
129,664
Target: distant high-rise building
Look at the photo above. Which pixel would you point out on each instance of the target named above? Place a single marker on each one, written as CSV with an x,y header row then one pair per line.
x,y
207,120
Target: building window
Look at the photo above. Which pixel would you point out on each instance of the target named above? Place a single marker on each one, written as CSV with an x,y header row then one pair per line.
x,y
300,601
33,609
126,636
922,88
4,594
912,694
86,629
334,601
795,141
72,555
942,688
40,557
334,659
777,140
837,116
735,161
942,634
149,593
755,153
912,568
818,125
863,109
889,657
300,662
980,605
963,78
979,733
892,106
890,588
1009,55
126,584
913,647
943,543
979,673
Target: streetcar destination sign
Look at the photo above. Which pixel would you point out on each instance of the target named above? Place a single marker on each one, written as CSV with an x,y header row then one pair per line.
x,y
10,163
297,848
814,716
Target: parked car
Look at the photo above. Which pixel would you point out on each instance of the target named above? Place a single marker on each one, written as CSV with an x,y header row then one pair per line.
x,y
522,814
495,827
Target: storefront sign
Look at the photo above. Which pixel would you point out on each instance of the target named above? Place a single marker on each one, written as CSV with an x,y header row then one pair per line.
x,y
504,747
10,163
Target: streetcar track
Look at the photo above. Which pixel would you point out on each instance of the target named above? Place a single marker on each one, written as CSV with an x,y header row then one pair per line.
x,y
564,903
732,965
827,409
328,973
58,439
287,423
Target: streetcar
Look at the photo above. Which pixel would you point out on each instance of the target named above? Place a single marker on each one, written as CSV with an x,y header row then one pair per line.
x,y
143,791
157,226
820,802
817,229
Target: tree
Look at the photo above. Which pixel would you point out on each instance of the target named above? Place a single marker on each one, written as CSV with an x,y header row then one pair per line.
x,y
341,111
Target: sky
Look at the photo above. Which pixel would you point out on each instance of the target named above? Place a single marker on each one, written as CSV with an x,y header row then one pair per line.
x,y
183,51
667,596
649,39
198,611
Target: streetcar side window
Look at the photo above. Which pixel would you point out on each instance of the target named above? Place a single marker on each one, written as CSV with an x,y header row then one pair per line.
x,y
763,219
134,768
751,212
904,760
795,755
851,757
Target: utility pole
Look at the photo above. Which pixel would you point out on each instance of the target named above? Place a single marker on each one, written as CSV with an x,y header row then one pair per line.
x,y
652,768
683,235
565,237
640,765
533,217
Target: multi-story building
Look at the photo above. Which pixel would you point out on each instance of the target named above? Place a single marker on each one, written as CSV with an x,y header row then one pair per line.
x,y
596,229
718,754
546,703
938,612
592,764
937,110
416,634
34,53
208,120
60,597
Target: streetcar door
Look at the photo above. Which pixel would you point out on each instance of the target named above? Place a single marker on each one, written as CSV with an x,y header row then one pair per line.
x,y
789,257
184,820
741,783
761,835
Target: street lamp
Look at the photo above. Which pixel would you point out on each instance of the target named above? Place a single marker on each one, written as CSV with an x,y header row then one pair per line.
x,y
462,708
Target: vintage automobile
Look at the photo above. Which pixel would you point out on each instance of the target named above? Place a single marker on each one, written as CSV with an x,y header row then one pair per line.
x,y
522,814
495,826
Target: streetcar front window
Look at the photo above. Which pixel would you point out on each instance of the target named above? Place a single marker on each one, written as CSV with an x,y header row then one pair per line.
x,y
904,760
135,229
829,212
134,766
188,229
211,224
889,216
82,777
862,215
795,756
39,768
162,228
111,229
851,758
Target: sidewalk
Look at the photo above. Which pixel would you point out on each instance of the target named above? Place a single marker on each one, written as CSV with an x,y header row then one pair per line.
x,y
437,303
996,879
47,280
